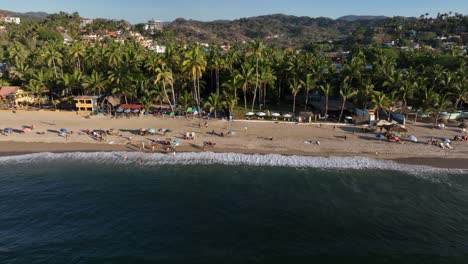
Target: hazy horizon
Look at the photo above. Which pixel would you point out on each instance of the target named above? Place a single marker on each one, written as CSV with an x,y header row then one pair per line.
x,y
139,11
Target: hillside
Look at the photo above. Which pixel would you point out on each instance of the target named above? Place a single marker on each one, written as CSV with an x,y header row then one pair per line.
x,y
283,30
27,15
358,18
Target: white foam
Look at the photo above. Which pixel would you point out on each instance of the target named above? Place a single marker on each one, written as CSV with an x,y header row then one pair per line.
x,y
234,159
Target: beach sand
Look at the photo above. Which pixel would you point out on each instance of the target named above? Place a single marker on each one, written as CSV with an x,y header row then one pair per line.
x,y
251,137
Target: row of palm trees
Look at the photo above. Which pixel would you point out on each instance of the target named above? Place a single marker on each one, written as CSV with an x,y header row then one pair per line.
x,y
214,79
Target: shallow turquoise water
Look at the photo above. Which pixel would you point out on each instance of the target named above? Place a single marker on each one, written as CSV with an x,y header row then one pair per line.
x,y
69,211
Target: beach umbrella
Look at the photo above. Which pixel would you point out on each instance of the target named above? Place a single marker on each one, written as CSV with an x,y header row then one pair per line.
x,y
287,115
249,113
446,140
127,111
412,138
152,130
231,133
8,130
275,114
63,131
380,136
261,114
119,110
136,111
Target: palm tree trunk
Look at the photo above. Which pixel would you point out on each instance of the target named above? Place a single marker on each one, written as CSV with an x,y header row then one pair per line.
x,y
217,81
294,104
264,94
342,108
173,94
55,69
198,91
245,99
307,99
326,107
254,98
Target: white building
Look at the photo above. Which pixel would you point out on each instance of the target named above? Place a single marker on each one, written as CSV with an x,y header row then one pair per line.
x,y
84,22
153,26
15,20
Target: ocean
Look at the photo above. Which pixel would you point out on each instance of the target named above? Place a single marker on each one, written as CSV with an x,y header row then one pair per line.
x,y
228,208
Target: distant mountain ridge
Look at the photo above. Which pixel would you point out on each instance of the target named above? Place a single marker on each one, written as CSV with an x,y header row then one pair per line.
x,y
357,18
284,30
32,15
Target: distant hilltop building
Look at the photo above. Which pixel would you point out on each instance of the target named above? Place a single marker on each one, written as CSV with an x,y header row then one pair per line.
x,y
84,22
153,26
12,20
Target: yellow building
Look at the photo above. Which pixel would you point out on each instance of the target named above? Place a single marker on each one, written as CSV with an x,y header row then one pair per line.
x,y
86,104
15,96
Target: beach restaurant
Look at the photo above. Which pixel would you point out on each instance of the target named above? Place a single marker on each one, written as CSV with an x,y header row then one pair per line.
x,y
14,96
86,104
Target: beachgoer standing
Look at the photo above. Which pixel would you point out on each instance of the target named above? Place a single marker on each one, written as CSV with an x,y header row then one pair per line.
x,y
142,145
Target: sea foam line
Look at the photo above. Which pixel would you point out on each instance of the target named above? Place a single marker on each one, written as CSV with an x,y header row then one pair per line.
x,y
230,159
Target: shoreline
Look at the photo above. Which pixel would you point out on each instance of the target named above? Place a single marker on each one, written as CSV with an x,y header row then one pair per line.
x,y
12,148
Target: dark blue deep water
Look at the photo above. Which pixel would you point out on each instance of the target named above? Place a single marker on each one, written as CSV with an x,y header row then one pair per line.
x,y
63,211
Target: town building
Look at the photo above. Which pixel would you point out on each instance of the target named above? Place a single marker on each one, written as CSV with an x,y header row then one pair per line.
x,y
84,22
11,20
153,26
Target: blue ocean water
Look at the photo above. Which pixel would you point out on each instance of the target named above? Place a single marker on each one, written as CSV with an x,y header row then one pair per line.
x,y
140,208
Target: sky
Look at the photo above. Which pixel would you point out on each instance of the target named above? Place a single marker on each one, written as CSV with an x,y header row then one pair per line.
x,y
136,11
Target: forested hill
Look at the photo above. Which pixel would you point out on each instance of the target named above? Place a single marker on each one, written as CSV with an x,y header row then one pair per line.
x,y
27,15
275,29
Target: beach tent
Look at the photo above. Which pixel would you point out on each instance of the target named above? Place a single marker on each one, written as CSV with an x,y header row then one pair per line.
x,y
231,133
63,131
275,114
261,114
287,115
152,130
8,130
382,123
412,138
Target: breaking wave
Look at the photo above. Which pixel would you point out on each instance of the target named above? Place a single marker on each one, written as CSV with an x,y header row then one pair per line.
x,y
229,159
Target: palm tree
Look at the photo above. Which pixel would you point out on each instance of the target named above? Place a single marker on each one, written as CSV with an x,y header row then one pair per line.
x,y
346,92
245,78
309,84
214,103
295,87
195,64
381,102
232,85
53,59
77,51
230,103
326,90
165,77
94,83
185,100
257,48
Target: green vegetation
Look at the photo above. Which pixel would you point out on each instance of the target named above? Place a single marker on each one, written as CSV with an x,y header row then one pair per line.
x,y
263,75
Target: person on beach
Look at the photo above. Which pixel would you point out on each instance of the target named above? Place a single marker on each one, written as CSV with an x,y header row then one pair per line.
x,y
206,124
142,145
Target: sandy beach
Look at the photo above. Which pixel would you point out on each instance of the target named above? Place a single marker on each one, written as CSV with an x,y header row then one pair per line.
x,y
251,137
